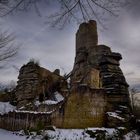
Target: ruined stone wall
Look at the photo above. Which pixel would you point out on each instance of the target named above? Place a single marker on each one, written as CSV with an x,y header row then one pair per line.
x,y
113,80
35,80
105,63
98,89
84,110
38,119
28,84
86,36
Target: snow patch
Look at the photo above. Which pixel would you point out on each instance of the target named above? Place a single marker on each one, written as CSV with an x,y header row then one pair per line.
x,y
34,112
50,102
6,107
8,135
46,102
58,97
68,134
115,115
131,136
125,107
110,131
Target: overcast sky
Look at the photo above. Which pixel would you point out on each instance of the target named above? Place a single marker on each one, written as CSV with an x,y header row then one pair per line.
x,y
56,48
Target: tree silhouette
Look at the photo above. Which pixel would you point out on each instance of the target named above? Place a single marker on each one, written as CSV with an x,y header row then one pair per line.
x,y
68,10
7,48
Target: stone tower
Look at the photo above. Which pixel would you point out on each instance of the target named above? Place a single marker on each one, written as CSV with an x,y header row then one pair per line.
x,y
83,72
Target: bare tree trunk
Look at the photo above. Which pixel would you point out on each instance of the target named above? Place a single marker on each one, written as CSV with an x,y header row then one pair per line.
x,y
132,94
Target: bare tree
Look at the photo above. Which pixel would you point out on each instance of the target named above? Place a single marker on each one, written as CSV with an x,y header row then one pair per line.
x,y
68,10
133,92
7,47
135,102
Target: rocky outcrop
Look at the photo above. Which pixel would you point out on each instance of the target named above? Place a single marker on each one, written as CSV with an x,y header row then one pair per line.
x,y
113,80
120,117
28,84
96,66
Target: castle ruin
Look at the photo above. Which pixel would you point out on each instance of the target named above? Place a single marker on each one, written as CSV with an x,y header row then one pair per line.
x,y
98,90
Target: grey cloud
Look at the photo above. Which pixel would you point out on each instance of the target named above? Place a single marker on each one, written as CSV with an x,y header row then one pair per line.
x,y
130,73
56,48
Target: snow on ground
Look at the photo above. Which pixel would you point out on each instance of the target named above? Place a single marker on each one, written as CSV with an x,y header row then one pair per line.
x,y
58,97
68,134
8,135
110,131
80,134
62,134
6,107
131,136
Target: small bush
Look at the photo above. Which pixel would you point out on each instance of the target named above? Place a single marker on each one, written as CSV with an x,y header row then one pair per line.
x,y
36,62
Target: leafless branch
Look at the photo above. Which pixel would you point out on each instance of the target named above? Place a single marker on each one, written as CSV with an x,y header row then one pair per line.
x,y
96,15
7,47
68,10
13,8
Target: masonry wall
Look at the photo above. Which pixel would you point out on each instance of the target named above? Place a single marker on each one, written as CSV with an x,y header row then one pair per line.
x,y
84,110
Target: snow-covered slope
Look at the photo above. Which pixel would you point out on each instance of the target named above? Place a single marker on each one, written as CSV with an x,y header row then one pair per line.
x,y
7,135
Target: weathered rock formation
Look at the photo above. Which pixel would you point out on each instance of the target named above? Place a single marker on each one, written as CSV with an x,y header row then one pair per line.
x,y
97,66
36,82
